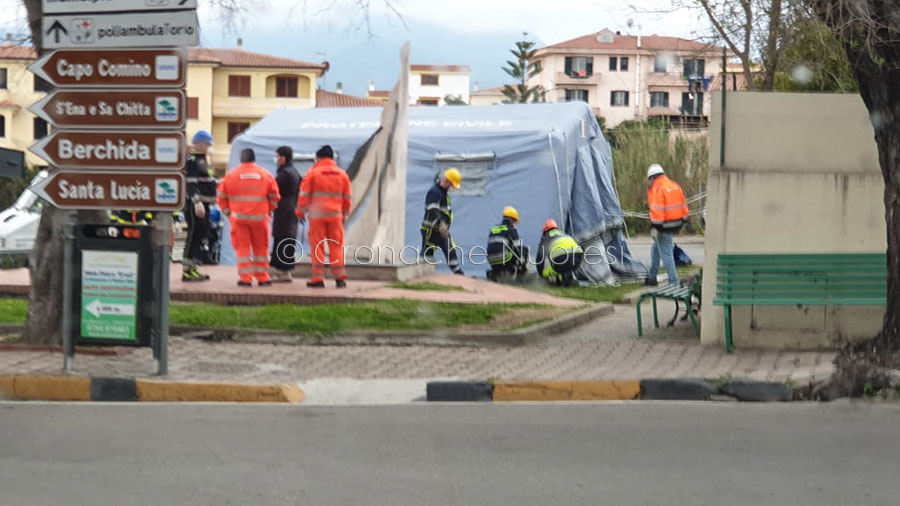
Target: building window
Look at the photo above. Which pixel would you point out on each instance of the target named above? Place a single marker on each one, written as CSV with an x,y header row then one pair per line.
x,y
40,128
235,129
618,99
623,64
579,66
692,104
659,65
694,68
238,86
2,127
429,80
429,101
659,99
193,108
613,64
576,95
42,85
286,87
3,84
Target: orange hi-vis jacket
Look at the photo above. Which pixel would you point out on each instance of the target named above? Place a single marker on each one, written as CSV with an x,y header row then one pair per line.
x,y
668,208
324,192
248,193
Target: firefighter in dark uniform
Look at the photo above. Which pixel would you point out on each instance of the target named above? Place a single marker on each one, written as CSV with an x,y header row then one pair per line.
x,y
438,217
559,256
507,257
128,217
200,194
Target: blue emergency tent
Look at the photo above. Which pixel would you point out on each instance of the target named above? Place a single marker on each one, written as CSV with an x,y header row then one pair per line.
x,y
547,160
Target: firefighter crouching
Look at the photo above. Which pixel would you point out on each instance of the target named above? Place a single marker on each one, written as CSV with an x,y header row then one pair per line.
x,y
247,195
559,256
505,253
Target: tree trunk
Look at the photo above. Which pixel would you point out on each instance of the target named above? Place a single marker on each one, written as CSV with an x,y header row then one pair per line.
x,y
44,320
773,52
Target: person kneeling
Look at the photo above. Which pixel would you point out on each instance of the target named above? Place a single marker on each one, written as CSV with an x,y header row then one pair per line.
x,y
559,256
507,257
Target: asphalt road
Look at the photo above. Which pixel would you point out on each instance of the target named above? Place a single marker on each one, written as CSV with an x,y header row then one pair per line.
x,y
550,454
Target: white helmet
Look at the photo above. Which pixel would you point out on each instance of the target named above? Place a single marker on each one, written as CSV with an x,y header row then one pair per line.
x,y
655,170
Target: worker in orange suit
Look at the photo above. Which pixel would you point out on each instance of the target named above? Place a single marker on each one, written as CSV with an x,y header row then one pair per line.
x,y
247,195
325,199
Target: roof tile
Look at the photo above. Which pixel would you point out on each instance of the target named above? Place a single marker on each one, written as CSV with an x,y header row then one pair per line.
x,y
331,99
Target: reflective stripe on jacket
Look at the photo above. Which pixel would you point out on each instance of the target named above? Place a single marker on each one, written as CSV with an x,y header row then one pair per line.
x,y
503,243
248,192
325,191
668,208
437,207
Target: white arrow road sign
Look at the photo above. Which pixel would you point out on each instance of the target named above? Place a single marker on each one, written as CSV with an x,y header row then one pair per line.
x,y
73,6
98,308
150,29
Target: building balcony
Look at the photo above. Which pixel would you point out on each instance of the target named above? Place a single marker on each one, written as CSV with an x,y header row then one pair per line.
x,y
563,79
253,107
666,80
663,111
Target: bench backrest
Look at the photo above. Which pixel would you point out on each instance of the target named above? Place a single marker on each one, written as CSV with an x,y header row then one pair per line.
x,y
845,278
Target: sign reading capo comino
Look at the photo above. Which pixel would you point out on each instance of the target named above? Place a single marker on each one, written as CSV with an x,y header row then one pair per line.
x,y
113,68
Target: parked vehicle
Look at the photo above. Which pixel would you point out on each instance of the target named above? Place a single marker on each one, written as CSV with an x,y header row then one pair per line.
x,y
19,223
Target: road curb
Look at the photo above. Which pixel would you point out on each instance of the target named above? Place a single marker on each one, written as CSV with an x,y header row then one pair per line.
x,y
675,389
101,389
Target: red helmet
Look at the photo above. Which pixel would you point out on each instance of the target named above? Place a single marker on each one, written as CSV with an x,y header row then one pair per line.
x,y
550,225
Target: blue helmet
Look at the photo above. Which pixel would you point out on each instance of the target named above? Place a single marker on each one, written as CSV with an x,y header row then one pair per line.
x,y
215,215
202,136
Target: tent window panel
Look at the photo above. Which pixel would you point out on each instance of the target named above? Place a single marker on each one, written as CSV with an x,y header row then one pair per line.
x,y
475,169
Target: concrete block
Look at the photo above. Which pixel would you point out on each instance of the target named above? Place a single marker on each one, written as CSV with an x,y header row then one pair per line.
x,y
113,389
686,389
459,391
757,391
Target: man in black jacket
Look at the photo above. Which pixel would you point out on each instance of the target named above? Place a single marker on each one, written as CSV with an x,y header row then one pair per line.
x,y
284,224
199,196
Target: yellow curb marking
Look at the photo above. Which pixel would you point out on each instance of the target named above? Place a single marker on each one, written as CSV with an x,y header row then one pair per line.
x,y
160,391
567,390
45,388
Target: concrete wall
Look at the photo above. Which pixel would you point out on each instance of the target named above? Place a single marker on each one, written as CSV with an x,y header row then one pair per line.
x,y
801,175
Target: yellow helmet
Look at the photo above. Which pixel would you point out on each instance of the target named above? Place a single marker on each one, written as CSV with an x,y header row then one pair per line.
x,y
452,174
510,212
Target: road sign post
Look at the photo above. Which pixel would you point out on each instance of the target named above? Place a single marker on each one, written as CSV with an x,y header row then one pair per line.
x,y
118,143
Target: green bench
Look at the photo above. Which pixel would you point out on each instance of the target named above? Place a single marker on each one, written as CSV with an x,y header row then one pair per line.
x,y
837,279
675,293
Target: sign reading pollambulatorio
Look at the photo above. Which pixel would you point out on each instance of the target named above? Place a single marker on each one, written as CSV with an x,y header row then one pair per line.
x,y
108,149
112,108
142,29
113,68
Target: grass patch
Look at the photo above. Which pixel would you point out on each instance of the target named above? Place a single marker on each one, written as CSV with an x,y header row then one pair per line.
x,y
614,294
425,286
321,320
13,311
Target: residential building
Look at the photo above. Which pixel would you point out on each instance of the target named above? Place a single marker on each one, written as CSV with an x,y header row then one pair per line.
x,y
488,96
628,77
431,84
19,88
228,91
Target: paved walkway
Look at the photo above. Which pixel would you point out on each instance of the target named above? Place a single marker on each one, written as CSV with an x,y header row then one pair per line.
x,y
604,349
223,289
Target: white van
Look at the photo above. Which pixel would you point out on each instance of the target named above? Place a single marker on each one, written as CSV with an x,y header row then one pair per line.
x,y
19,223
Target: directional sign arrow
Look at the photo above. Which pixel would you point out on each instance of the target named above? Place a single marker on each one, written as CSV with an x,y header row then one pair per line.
x,y
141,191
132,29
113,68
112,109
55,28
112,149
97,308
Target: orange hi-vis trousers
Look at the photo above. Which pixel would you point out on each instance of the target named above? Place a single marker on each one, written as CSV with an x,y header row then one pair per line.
x,y
251,246
328,231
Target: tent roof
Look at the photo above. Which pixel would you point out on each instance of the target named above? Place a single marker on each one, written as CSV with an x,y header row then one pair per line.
x,y
458,121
